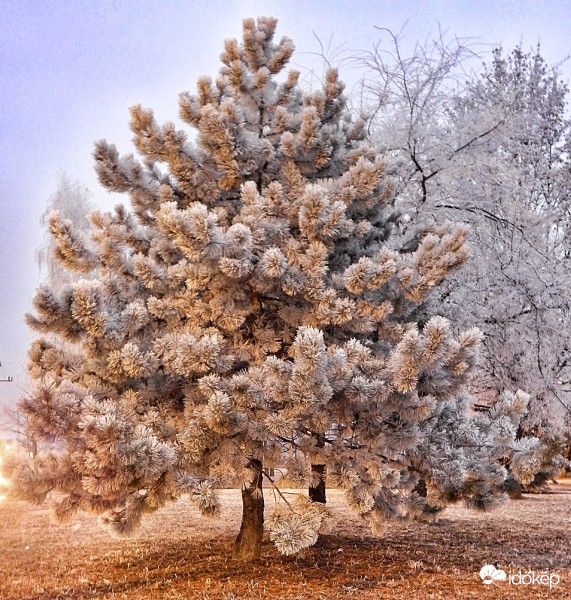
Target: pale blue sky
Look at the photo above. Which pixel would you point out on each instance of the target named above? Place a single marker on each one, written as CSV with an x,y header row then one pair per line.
x,y
69,69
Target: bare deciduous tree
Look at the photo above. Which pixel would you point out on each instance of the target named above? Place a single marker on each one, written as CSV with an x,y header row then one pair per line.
x,y
488,149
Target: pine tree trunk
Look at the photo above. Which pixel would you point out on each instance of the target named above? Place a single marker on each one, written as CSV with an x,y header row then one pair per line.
x,y
248,544
317,493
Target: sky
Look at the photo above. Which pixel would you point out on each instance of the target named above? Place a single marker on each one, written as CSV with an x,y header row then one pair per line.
x,y
69,70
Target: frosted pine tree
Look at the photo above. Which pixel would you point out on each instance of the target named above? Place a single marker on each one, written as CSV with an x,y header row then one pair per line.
x,y
247,311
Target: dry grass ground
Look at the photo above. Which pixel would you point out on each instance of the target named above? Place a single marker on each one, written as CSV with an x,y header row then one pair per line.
x,y
177,554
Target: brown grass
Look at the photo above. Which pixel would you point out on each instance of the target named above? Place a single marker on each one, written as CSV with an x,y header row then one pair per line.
x,y
178,554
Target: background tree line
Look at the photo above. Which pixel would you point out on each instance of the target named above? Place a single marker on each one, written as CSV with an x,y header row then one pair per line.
x,y
489,148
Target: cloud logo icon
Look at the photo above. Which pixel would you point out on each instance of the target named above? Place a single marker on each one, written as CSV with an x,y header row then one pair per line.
x,y
489,574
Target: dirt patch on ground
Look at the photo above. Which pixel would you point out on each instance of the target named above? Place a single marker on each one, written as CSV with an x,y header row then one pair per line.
x,y
178,554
